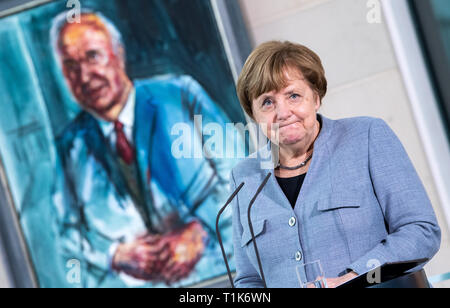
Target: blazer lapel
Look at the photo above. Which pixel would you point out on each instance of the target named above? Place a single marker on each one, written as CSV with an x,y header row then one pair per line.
x,y
144,130
318,178
99,147
145,114
273,189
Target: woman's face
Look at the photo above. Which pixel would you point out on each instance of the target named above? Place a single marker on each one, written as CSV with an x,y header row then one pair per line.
x,y
288,117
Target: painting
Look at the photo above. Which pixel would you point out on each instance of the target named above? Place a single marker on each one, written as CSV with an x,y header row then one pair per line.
x,y
107,119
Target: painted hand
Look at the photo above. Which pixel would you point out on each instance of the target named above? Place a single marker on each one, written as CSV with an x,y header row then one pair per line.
x,y
162,258
187,246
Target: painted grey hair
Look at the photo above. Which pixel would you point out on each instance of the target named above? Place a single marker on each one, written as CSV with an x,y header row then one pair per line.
x,y
61,20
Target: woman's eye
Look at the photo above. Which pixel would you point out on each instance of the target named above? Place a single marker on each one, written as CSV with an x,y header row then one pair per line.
x,y
295,96
267,103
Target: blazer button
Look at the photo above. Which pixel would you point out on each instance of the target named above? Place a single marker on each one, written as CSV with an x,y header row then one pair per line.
x,y
292,221
298,256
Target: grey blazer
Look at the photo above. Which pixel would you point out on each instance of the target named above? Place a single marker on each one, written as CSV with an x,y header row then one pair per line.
x,y
361,204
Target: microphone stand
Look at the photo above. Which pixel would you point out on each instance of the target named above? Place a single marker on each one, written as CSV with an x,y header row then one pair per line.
x,y
251,227
219,237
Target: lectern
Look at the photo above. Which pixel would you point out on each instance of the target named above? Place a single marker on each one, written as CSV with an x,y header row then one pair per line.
x,y
392,275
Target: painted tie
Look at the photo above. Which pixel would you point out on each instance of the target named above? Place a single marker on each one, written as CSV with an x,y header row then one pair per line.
x,y
123,147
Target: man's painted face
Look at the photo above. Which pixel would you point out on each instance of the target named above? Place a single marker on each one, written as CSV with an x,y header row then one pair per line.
x,y
93,71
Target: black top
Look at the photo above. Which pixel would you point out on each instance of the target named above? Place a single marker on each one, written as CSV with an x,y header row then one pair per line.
x,y
291,187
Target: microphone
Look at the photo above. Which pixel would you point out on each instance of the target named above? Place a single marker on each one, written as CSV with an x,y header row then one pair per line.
x,y
251,227
219,237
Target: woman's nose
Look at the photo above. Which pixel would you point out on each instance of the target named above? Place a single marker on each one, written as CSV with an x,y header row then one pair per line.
x,y
283,111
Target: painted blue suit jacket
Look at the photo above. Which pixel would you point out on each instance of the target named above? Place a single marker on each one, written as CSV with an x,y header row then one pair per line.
x,y
361,204
95,210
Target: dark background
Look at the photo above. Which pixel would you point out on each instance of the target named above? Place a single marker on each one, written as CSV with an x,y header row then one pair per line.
x,y
160,37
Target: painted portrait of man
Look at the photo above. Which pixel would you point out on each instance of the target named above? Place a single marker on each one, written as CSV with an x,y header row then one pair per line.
x,y
127,208
115,142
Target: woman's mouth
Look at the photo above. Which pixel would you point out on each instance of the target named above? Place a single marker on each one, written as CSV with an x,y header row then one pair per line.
x,y
285,126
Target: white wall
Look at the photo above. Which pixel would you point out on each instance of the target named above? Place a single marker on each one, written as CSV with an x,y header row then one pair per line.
x,y
362,70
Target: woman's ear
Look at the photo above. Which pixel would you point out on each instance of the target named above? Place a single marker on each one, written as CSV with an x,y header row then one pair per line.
x,y
318,101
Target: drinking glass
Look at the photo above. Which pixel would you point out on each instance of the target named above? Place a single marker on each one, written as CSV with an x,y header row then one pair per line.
x,y
311,275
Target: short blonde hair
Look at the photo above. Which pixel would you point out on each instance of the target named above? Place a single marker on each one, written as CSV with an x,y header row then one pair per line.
x,y
265,68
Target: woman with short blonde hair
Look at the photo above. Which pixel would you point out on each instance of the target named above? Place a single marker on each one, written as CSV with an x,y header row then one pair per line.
x,y
341,191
